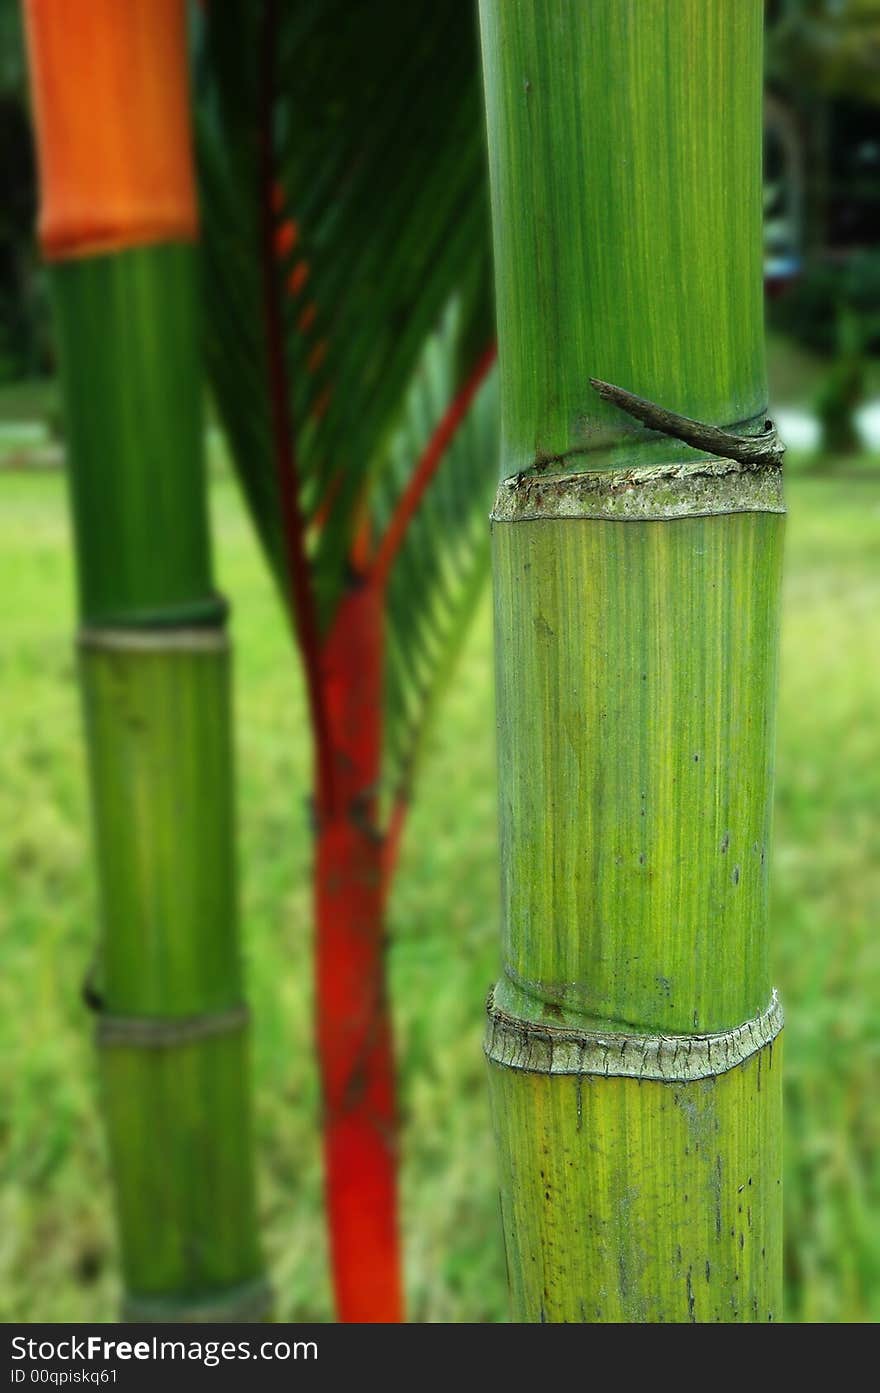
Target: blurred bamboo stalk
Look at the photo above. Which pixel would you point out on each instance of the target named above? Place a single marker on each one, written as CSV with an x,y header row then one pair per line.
x,y
118,225
633,1038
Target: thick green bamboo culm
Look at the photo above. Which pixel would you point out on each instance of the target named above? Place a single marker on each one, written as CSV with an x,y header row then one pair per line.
x,y
155,676
633,1039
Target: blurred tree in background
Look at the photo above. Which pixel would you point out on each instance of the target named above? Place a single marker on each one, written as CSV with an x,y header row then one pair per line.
x,y
823,159
822,194
25,345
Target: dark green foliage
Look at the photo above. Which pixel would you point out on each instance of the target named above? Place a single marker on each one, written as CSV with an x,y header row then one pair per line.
x,y
373,116
809,308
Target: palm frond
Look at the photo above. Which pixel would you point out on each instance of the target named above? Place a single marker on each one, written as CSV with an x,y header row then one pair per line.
x,y
381,273
442,561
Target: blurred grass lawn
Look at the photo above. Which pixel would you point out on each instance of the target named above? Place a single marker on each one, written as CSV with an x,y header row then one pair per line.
x,y
57,1246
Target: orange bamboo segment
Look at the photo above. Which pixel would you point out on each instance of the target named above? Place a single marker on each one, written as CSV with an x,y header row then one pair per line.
x,y
111,110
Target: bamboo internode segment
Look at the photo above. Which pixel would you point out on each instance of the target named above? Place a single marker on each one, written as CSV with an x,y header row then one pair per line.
x,y
626,1200
627,208
129,343
636,697
648,493
547,1049
161,764
111,107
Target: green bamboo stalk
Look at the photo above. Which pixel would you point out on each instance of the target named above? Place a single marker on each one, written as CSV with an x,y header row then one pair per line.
x,y
154,666
633,1038
118,225
127,327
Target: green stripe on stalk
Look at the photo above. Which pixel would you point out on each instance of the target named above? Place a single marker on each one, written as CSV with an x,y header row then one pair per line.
x,y
128,337
633,1070
158,722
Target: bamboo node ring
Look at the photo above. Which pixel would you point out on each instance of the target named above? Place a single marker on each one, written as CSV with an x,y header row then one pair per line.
x,y
545,1049
164,1032
249,1302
